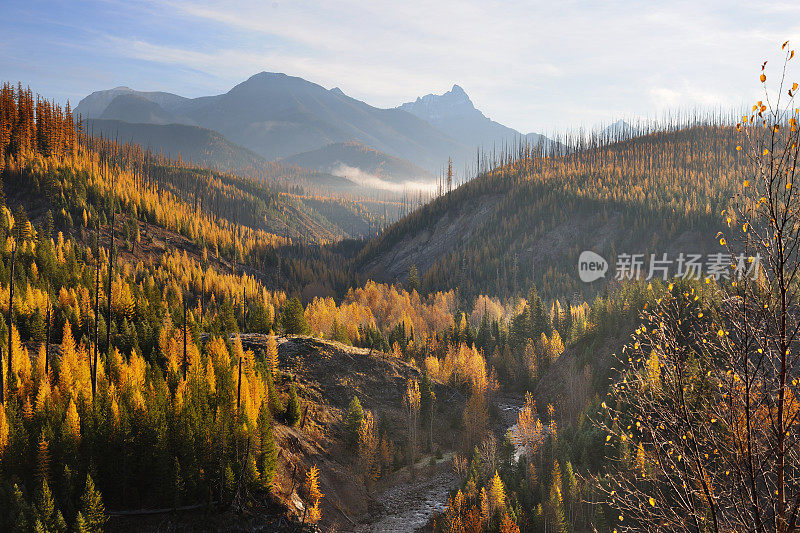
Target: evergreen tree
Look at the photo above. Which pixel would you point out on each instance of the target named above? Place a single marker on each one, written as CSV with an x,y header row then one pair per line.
x,y
539,320
413,279
46,507
293,413
339,332
555,502
293,318
355,417
20,510
269,451
177,483
272,354
80,525
92,507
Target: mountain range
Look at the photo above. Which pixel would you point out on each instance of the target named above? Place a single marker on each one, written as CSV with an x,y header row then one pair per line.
x,y
277,116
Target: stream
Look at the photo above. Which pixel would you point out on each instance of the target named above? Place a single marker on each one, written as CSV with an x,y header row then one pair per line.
x,y
409,506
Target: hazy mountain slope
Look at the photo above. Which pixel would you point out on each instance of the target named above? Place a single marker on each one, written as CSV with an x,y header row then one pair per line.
x,y
96,103
137,109
192,143
206,147
353,160
454,114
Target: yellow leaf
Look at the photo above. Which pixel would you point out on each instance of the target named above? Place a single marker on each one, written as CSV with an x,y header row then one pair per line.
x,y
763,78
652,502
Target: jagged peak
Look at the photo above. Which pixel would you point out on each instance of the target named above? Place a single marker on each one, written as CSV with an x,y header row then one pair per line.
x,y
458,90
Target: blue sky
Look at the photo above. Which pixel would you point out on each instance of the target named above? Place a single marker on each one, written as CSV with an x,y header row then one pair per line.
x,y
535,66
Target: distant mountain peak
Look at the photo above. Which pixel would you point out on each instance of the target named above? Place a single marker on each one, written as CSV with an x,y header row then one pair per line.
x,y
436,108
271,76
453,102
458,91
267,74
454,114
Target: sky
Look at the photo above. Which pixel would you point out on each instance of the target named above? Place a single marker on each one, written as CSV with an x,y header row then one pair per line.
x,y
534,66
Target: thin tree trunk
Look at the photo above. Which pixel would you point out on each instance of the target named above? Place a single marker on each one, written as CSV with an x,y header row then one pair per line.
x,y
110,269
185,356
10,326
96,315
47,341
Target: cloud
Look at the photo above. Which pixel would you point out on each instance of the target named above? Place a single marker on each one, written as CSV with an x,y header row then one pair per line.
x,y
372,181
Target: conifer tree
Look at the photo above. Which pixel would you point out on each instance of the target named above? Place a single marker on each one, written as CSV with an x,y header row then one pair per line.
x,y
314,495
92,507
355,417
272,353
555,502
43,460
497,494
413,279
507,524
269,450
177,483
80,525
20,510
293,413
293,318
45,506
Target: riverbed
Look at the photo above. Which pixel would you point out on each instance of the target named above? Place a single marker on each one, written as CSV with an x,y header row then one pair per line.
x,y
410,505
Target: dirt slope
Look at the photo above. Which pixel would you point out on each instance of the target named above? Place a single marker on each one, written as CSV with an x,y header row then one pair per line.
x,y
327,374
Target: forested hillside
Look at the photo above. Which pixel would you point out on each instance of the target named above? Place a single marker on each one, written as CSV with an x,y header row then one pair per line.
x,y
528,218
